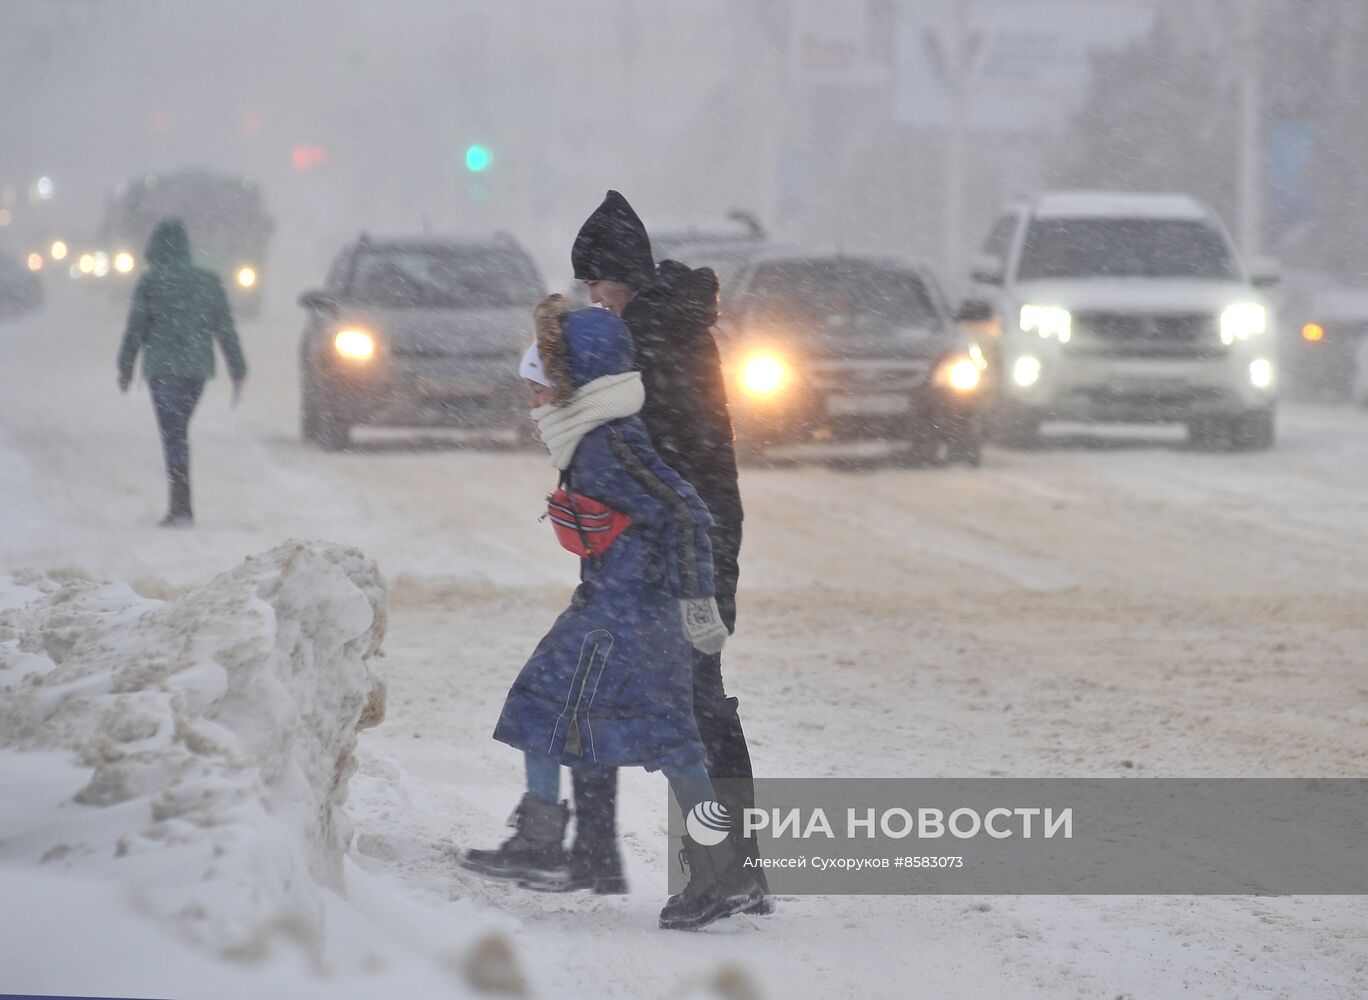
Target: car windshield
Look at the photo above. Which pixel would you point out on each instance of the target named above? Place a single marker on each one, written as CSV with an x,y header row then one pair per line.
x,y
725,260
443,278
1124,248
836,292
225,219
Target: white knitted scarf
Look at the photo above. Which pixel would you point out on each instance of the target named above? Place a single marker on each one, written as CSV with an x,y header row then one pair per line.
x,y
593,405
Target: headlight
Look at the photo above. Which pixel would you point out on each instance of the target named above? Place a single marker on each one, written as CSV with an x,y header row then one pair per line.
x,y
1026,371
58,250
1261,373
1313,333
123,262
763,375
1242,321
101,265
35,261
86,264
960,374
1048,321
246,277
354,345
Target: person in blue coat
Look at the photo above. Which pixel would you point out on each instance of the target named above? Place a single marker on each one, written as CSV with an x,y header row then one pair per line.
x,y
611,684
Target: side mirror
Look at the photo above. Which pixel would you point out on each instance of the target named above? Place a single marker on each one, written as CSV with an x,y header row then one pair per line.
x,y
1264,272
975,311
987,270
319,302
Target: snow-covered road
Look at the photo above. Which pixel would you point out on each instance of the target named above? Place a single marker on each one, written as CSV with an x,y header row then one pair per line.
x,y
1110,607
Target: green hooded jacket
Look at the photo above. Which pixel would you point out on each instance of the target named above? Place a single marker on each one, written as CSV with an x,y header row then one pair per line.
x,y
178,311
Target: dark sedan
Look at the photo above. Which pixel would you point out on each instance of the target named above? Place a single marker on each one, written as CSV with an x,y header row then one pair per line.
x,y
821,348
417,333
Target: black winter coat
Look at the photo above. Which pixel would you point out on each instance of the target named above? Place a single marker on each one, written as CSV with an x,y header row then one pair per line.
x,y
686,399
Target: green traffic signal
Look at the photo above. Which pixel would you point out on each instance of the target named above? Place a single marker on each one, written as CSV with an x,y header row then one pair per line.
x,y
478,158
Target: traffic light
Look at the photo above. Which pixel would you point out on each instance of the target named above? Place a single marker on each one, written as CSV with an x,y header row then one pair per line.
x,y
478,158
305,157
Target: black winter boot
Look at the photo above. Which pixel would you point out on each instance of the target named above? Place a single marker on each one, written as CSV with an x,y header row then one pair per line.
x,y
594,862
737,795
597,869
719,886
535,850
729,765
178,510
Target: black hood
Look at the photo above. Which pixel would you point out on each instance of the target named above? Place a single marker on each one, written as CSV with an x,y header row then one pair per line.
x,y
612,245
681,295
169,245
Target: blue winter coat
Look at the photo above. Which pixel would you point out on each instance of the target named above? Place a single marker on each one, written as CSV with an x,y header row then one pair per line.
x,y
611,683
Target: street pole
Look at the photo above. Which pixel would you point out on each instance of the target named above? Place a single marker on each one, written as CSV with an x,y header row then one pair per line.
x,y
958,59
1250,138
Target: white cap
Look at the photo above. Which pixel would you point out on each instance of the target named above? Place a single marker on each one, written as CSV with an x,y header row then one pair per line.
x,y
531,369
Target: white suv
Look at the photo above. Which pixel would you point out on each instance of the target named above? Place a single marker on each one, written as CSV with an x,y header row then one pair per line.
x,y
1130,308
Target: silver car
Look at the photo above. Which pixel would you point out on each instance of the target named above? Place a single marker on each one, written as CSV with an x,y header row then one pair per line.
x,y
417,333
1129,308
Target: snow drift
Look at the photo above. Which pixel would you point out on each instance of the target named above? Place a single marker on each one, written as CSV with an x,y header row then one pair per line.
x,y
194,753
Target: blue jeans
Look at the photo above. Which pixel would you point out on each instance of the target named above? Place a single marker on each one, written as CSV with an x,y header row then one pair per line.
x,y
690,785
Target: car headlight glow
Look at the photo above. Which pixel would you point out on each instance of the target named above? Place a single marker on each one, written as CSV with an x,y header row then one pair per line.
x,y
1242,321
123,262
246,276
86,264
35,261
1048,321
959,374
101,264
354,345
1261,373
763,375
1026,371
58,250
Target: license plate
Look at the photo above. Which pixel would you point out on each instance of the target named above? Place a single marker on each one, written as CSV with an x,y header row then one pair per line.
x,y
1157,370
841,405
450,387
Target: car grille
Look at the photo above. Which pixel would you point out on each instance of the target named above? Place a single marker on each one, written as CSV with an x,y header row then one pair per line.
x,y
1127,335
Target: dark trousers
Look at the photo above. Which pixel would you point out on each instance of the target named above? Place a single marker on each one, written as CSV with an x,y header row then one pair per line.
x,y
174,399
719,726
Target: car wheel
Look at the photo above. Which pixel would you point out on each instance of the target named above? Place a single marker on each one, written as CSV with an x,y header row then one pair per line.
x,y
1254,431
925,446
965,442
318,424
1208,434
1359,392
967,449
1016,429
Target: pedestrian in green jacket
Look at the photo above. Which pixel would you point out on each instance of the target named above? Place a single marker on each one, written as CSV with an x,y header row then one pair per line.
x,y
178,311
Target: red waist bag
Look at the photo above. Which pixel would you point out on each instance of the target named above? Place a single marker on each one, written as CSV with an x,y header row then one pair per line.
x,y
582,524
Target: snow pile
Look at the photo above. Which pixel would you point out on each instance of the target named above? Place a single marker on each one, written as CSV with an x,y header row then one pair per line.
x,y
194,753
